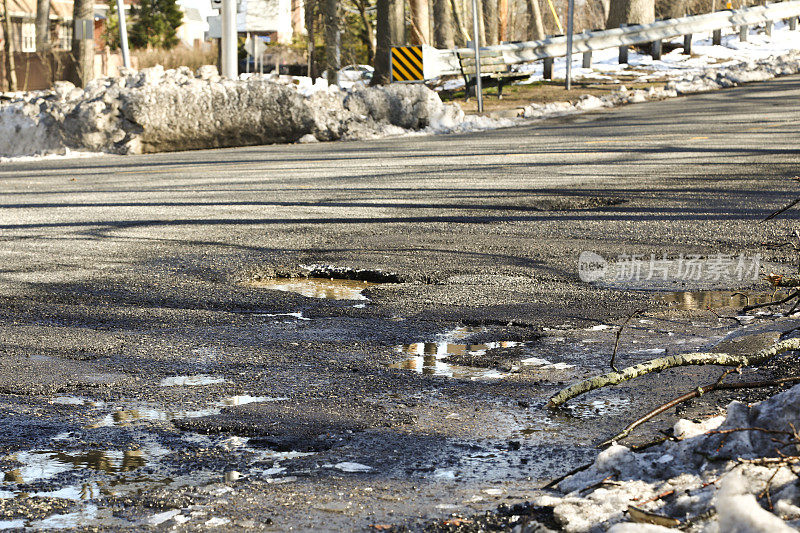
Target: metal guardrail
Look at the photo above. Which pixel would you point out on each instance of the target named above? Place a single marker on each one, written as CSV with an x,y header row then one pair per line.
x,y
630,35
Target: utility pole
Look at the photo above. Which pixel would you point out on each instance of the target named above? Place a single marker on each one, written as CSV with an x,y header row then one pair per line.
x,y
229,40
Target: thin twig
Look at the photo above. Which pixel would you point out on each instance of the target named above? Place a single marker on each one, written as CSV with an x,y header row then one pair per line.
x,y
619,334
699,391
768,304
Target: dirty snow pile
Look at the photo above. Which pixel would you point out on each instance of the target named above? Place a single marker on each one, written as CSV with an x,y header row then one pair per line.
x,y
716,470
156,110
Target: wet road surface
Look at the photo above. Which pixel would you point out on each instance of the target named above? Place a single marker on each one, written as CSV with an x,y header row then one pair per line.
x,y
154,372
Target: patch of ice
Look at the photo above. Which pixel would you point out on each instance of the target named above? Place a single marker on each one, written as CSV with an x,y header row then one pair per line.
x,y
352,467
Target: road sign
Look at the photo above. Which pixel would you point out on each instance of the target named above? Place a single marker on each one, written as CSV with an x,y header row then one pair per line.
x,y
407,63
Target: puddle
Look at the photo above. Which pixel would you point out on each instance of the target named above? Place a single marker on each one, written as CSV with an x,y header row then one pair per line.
x,y
123,417
190,381
46,464
697,300
330,289
245,399
131,415
426,357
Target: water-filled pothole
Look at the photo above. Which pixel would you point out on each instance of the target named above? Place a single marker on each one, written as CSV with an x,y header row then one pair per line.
x,y
698,300
436,358
326,288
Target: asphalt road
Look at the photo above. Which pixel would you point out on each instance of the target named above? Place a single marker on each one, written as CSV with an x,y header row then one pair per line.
x,y
119,272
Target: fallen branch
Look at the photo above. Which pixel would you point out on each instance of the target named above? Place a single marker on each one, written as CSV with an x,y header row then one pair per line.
x,y
699,391
768,304
663,363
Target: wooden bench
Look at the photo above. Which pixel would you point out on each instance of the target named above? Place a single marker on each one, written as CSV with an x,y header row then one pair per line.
x,y
493,66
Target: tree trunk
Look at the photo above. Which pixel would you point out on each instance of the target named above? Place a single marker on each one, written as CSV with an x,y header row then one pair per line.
x,y
481,24
333,41
502,21
83,48
390,31
11,67
535,23
443,24
420,22
459,21
368,39
630,12
42,25
490,21
310,15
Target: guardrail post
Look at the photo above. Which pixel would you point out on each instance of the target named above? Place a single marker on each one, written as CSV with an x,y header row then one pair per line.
x,y
687,44
623,54
587,56
548,68
768,28
716,37
655,49
793,23
743,33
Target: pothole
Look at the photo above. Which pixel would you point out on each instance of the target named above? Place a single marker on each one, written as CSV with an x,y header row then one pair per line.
x,y
445,357
698,300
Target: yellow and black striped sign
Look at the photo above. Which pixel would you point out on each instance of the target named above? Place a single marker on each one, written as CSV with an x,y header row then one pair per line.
x,y
407,63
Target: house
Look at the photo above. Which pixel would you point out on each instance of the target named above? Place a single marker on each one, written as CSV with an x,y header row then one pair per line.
x,y
194,27
275,21
22,15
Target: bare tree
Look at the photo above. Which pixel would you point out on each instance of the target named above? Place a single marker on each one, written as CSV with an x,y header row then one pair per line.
x,y
490,22
460,21
390,31
311,17
42,25
535,23
83,40
369,40
502,20
630,12
420,22
10,66
443,24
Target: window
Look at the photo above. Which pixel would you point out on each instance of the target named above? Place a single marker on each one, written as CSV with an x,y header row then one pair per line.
x,y
28,39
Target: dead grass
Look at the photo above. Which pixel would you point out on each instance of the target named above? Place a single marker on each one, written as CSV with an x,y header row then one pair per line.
x,y
543,92
180,56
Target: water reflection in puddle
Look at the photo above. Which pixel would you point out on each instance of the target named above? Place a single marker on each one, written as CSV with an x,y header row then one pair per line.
x,y
331,289
190,381
131,415
426,357
696,300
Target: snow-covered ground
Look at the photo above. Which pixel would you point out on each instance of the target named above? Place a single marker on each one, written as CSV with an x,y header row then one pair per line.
x,y
154,110
728,474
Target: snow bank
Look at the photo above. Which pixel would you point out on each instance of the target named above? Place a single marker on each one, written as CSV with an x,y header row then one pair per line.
x,y
704,471
155,110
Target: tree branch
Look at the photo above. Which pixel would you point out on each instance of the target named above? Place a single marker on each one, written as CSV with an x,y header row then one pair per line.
x,y
663,363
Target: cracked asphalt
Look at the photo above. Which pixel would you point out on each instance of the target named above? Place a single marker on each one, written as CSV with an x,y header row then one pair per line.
x,y
118,273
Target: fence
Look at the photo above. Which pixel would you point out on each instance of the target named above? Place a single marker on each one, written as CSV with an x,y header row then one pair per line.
x,y
588,42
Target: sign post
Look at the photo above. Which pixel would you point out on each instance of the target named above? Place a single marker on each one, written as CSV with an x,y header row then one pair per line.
x,y
477,46
570,28
123,34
